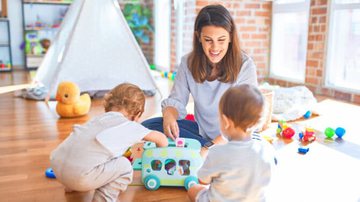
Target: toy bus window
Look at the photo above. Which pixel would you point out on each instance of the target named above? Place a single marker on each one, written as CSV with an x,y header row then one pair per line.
x,y
156,164
184,167
170,166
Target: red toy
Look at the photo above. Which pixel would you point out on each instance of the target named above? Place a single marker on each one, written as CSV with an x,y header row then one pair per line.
x,y
288,133
285,130
190,117
309,135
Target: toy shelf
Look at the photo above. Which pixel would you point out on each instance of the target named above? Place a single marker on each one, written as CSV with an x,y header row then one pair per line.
x,y
5,46
47,2
41,21
41,29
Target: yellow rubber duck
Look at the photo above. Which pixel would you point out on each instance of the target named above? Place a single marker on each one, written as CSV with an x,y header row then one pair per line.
x,y
70,103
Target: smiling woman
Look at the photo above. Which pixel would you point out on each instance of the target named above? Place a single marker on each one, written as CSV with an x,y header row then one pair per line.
x,y
215,63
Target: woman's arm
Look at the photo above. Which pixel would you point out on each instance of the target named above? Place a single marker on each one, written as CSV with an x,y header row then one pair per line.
x,y
174,107
247,73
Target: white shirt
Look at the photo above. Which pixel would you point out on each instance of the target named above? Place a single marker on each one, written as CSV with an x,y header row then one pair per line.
x,y
206,95
96,142
238,171
119,138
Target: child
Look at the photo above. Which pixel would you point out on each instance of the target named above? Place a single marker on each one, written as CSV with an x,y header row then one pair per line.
x,y
241,169
91,157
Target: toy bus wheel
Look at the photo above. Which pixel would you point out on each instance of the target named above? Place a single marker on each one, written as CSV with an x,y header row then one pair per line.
x,y
152,182
190,181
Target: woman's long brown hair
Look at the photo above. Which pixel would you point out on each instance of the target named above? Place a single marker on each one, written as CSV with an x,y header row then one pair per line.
x,y
230,65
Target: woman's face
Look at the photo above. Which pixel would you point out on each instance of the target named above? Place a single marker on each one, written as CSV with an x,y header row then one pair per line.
x,y
215,42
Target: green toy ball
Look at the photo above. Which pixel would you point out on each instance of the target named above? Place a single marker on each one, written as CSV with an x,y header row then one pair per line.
x,y
329,132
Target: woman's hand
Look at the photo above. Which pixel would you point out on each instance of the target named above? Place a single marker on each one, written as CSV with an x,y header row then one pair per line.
x,y
220,140
171,128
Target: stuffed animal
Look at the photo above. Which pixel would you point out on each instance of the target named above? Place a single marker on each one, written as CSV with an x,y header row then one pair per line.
x,y
70,102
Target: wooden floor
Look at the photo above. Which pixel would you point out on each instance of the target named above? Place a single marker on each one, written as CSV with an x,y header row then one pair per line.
x,y
30,130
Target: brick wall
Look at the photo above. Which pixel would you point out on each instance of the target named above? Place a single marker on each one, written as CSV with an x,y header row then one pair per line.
x,y
253,21
316,56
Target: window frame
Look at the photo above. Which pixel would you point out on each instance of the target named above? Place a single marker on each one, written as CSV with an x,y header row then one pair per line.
x,y
329,38
289,8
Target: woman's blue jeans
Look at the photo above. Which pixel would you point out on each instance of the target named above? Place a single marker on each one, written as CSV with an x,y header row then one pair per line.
x,y
188,129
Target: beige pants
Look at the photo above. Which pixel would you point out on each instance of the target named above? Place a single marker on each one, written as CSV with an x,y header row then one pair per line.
x,y
113,178
107,179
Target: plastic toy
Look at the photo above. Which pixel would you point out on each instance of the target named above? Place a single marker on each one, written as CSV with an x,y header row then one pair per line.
x,y
303,150
340,132
50,173
308,135
128,154
180,142
190,117
70,102
330,132
169,75
169,166
32,44
285,130
307,114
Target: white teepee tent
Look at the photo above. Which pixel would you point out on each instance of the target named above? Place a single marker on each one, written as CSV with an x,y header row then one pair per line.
x,y
94,48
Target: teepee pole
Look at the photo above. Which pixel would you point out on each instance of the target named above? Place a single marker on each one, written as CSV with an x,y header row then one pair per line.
x,y
63,53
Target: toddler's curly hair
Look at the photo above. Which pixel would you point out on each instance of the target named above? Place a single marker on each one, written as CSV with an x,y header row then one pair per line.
x,y
125,96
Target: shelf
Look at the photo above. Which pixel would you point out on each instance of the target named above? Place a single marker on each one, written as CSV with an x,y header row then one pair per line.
x,y
6,57
36,30
35,56
44,2
41,29
5,69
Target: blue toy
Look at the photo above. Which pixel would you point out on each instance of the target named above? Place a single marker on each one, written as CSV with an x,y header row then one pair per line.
x,y
50,173
303,150
340,132
307,114
170,166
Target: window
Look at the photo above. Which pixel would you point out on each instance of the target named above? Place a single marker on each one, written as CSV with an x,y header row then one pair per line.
x,y
170,166
184,167
343,63
289,39
162,14
156,165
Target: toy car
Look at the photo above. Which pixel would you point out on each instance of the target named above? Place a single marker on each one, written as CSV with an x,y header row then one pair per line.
x,y
169,166
308,135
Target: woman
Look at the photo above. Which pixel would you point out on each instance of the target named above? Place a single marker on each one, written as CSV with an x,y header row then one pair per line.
x,y
215,64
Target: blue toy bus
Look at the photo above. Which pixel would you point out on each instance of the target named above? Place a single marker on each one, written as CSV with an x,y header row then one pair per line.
x,y
170,166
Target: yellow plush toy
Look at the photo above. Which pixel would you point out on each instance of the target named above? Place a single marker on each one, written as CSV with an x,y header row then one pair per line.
x,y
70,103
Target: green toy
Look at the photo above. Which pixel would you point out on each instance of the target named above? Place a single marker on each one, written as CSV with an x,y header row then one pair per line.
x,y
170,166
32,44
329,132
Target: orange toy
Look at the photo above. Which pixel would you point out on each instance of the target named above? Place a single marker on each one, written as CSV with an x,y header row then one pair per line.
x,y
70,102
